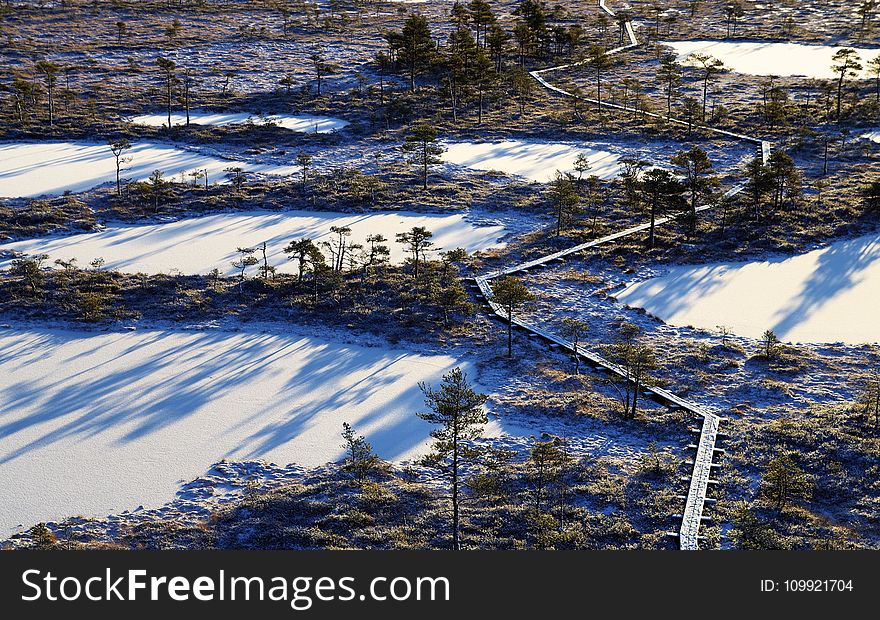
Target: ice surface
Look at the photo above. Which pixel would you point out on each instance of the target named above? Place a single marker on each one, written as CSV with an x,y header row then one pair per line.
x,y
827,295
198,245
303,122
99,423
29,169
537,161
765,58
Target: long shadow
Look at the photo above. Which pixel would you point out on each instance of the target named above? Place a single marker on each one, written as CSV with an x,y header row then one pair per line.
x,y
114,390
839,268
191,243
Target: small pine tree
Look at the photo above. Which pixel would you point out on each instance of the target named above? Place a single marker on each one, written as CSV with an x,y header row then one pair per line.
x,y
510,293
457,408
783,481
574,329
360,459
42,536
770,345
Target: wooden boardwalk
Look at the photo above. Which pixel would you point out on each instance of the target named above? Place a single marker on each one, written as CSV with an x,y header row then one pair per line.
x,y
704,463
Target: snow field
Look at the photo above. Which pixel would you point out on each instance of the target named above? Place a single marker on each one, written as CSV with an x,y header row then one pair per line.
x,y
31,169
763,58
305,123
827,295
99,423
537,161
198,245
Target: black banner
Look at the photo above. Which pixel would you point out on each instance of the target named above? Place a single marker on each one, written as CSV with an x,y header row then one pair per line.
x,y
431,584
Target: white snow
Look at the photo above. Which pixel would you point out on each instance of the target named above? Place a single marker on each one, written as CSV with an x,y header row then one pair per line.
x,y
303,122
827,295
537,161
29,169
873,136
198,245
99,423
763,58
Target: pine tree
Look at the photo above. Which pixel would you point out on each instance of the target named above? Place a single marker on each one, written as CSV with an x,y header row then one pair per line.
x,y
661,191
770,344
563,197
574,329
416,47
118,147
846,64
426,151
50,74
695,169
418,242
510,293
360,459
168,68
301,250
458,411
669,74
710,67
783,481
601,62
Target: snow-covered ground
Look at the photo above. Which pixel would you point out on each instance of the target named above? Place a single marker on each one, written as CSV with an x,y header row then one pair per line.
x,y
29,169
763,58
95,423
303,122
201,244
537,161
873,136
827,295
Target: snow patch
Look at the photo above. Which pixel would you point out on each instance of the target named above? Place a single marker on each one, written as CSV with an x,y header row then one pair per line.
x,y
537,161
201,244
827,295
764,58
100,423
30,169
305,123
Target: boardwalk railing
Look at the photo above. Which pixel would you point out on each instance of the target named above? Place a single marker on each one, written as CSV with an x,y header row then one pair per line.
x,y
701,476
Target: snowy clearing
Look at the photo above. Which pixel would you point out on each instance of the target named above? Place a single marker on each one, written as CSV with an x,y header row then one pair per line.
x,y
100,423
827,295
305,123
201,244
763,58
873,136
537,161
30,169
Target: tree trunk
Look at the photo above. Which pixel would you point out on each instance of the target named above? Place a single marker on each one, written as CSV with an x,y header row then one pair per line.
x,y
51,106
456,542
635,400
510,331
169,103
425,166
705,96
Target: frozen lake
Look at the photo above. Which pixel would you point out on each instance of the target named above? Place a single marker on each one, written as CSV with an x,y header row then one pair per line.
x,y
537,161
827,295
30,169
94,423
765,58
305,123
198,245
